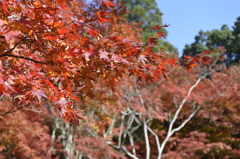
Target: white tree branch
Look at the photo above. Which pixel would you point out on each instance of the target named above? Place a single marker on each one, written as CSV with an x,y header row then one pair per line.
x,y
170,129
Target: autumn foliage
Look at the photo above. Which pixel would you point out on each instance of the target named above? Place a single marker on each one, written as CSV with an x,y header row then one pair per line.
x,y
24,134
52,51
79,60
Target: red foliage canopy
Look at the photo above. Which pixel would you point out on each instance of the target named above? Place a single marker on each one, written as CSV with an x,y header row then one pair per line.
x,y
53,51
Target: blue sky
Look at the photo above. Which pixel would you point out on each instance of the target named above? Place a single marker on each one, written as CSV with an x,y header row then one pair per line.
x,y
188,17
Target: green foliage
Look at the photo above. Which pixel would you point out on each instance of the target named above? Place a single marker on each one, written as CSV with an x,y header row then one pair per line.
x,y
226,37
147,13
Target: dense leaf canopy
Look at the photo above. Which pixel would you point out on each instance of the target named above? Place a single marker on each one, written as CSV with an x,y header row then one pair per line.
x,y
53,51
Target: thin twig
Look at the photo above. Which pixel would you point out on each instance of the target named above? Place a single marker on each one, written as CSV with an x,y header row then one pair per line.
x,y
26,58
21,57
16,45
123,148
11,110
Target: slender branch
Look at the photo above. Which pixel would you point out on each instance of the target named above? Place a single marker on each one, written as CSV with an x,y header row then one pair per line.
x,y
129,124
121,131
11,110
170,129
185,122
6,53
123,148
156,138
175,130
144,125
181,105
32,109
110,129
132,143
146,138
21,57
26,58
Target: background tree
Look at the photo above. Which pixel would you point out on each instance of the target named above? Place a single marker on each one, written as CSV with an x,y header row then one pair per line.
x,y
215,38
147,14
236,41
25,133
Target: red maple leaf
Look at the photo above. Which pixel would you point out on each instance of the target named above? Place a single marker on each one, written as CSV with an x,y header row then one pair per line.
x,y
62,102
156,27
165,25
159,26
116,58
69,115
94,33
103,54
87,54
160,34
206,51
108,4
152,40
188,57
39,93
9,34
102,17
49,37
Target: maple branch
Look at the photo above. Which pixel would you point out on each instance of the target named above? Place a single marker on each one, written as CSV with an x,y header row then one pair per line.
x,y
186,121
32,109
21,57
11,110
146,138
156,137
123,148
130,122
129,128
132,143
5,53
110,129
26,58
170,129
145,129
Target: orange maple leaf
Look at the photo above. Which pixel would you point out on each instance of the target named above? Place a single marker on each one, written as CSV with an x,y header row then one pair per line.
x,y
109,4
152,40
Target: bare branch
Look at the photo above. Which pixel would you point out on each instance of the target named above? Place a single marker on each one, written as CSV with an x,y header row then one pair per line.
x,y
185,122
26,58
123,148
34,110
16,45
146,138
132,143
156,138
170,129
110,129
21,57
144,125
181,105
11,110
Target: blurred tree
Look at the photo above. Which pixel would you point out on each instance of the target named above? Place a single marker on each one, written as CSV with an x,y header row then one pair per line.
x,y
230,39
236,41
147,13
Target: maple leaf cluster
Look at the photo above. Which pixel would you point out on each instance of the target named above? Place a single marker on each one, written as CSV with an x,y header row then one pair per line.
x,y
54,51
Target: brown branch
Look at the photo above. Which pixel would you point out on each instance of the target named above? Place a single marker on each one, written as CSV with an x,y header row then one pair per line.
x,y
21,57
6,53
26,58
11,110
